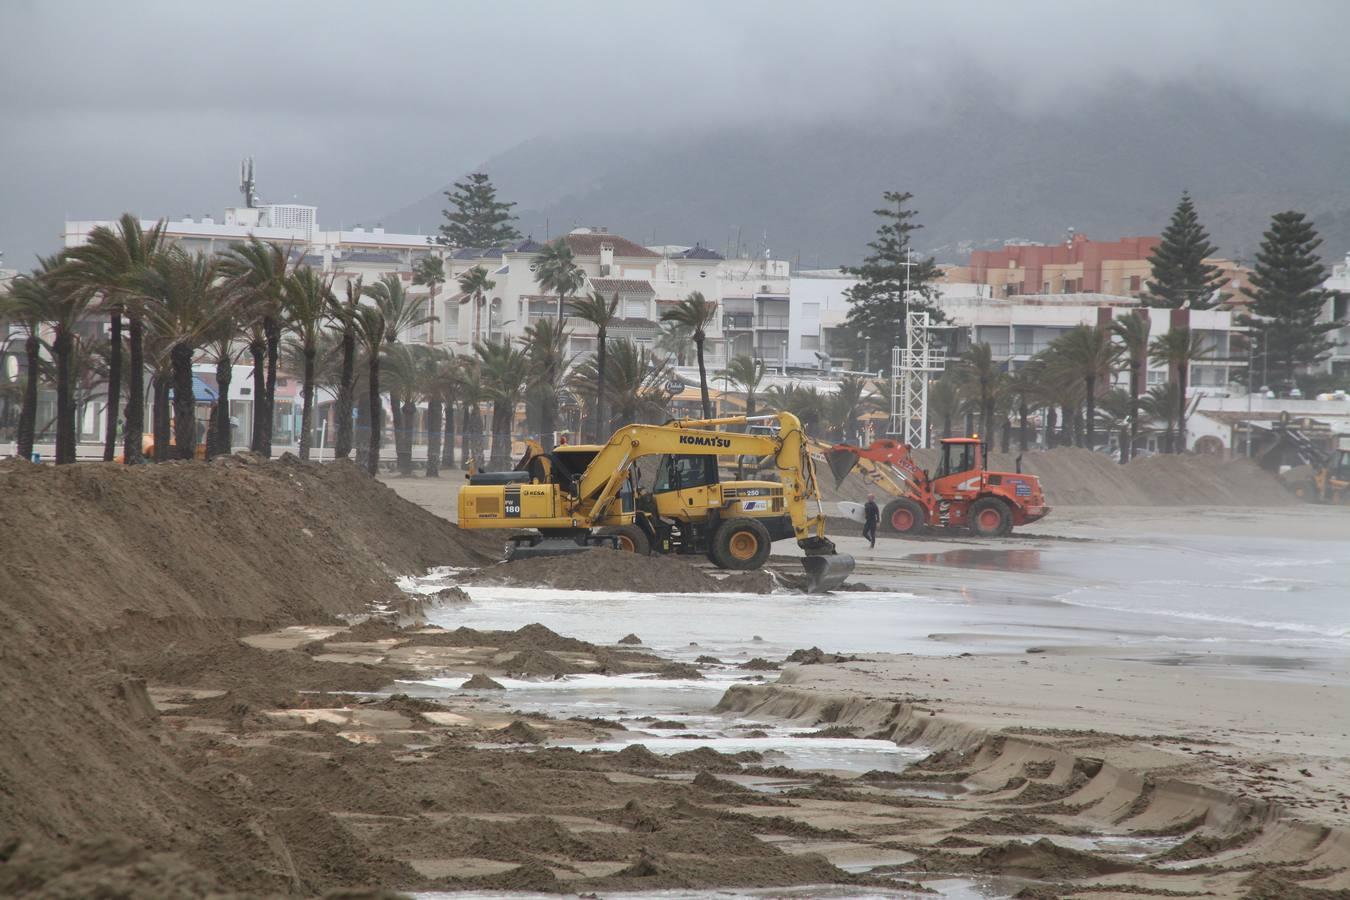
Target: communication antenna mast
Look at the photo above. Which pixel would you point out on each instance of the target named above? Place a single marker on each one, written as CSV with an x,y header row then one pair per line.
x,y
247,185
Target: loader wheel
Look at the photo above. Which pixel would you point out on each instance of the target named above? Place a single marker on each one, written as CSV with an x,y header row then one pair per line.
x,y
903,516
632,539
741,544
990,518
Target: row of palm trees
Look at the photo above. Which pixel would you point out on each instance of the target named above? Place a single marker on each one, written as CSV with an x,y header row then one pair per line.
x,y
1070,384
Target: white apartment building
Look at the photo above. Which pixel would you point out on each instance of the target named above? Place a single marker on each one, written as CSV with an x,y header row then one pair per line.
x,y
1337,309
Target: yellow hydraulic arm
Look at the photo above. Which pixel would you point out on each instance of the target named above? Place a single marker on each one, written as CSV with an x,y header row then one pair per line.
x,y
600,484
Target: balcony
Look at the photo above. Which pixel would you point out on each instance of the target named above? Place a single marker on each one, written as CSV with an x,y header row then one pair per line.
x,y
773,323
738,322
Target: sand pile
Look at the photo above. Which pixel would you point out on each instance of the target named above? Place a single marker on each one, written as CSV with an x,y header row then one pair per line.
x,y
1075,477
603,569
107,569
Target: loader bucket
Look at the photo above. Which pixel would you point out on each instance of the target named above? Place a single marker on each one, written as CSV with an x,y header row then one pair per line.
x,y
841,462
825,573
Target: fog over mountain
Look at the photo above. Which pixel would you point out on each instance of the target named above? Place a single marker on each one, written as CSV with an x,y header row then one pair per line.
x,y
697,120
981,173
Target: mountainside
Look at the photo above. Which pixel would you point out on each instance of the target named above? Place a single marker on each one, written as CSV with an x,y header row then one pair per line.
x,y
980,173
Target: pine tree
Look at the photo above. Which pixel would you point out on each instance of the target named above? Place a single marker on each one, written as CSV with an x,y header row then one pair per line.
x,y
1287,298
878,301
1180,273
1179,269
478,219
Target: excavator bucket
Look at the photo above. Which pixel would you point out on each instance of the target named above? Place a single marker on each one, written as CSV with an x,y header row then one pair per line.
x,y
841,462
825,573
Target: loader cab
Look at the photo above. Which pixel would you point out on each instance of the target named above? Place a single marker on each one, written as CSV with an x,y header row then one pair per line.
x,y
960,455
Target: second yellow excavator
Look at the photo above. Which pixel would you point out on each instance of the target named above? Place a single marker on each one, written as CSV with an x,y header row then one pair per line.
x,y
582,495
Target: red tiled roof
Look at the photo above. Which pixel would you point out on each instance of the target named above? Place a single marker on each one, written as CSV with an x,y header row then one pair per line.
x,y
622,285
589,245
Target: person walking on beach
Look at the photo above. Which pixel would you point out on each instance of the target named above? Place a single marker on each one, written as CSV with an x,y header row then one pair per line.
x,y
871,516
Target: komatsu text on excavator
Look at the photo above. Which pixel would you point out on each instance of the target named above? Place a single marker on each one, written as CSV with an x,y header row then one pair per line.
x,y
582,495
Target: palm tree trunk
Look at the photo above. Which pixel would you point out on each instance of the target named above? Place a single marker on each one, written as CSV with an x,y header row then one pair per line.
x,y
65,410
396,423
560,314
598,425
161,417
376,416
702,375
307,403
466,450
1091,413
346,387
258,350
1066,426
272,329
1127,453
28,411
184,402
1005,440
113,409
434,437
1022,413
448,442
409,422
222,433
134,432
947,425
1050,426
501,436
548,414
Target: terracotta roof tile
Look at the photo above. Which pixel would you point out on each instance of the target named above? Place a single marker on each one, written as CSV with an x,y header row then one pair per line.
x,y
589,245
622,286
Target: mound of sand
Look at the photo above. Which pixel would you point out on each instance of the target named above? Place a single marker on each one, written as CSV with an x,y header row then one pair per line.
x,y
603,569
1076,477
109,570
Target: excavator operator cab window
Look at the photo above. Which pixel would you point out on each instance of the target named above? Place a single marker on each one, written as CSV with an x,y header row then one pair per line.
x,y
678,473
957,458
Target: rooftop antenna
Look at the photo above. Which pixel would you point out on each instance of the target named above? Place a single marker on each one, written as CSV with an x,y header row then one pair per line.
x,y
247,185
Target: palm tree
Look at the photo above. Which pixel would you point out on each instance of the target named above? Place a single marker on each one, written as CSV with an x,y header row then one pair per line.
x,y
431,384
1178,349
843,407
187,298
430,271
450,374
222,348
399,374
635,383
109,262
1024,394
806,403
600,313
260,267
307,298
1132,329
401,313
673,340
746,373
944,402
369,329
546,346
504,373
556,271
474,285
29,304
978,375
1162,404
1116,412
63,302
1087,354
472,393
344,313
696,313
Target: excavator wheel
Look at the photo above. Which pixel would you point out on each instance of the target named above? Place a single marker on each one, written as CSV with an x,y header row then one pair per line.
x,y
630,538
903,516
990,518
740,543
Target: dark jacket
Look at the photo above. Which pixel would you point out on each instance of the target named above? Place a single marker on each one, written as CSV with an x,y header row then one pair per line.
x,y
870,511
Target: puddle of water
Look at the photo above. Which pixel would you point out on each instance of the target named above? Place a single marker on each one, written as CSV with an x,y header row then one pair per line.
x,y
1018,560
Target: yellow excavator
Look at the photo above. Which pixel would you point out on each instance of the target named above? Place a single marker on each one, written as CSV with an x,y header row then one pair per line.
x,y
584,495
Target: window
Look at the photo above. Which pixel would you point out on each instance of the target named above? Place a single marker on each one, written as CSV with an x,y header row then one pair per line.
x,y
810,342
1134,282
677,473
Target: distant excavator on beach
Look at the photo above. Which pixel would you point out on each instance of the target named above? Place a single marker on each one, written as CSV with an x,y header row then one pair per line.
x,y
585,495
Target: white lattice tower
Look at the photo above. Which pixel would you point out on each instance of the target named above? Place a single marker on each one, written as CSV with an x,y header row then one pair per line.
x,y
910,370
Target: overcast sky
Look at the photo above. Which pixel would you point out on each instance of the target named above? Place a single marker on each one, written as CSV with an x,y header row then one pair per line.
x,y
361,108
